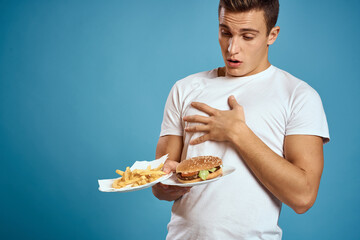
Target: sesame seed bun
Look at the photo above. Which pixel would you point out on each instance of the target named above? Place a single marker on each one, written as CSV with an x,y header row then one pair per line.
x,y
196,164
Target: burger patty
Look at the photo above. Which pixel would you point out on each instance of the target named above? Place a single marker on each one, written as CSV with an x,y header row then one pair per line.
x,y
188,178
196,175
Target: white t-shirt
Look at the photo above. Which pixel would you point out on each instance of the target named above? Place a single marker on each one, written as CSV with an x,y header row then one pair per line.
x,y
276,104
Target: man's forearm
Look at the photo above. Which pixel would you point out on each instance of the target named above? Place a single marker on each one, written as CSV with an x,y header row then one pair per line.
x,y
171,145
288,182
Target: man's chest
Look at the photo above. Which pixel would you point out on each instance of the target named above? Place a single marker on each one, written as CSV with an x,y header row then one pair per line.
x,y
265,110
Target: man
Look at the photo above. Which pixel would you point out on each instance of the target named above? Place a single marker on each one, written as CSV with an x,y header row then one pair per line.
x,y
259,119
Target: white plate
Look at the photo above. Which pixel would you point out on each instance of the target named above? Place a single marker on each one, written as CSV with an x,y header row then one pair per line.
x,y
106,185
174,182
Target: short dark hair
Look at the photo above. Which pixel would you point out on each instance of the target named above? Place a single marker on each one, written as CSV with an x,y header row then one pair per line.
x,y
270,8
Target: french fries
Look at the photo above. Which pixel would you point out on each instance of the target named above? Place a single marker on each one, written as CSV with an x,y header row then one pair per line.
x,y
137,177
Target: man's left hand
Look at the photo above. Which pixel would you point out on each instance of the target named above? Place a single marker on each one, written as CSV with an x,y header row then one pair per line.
x,y
220,125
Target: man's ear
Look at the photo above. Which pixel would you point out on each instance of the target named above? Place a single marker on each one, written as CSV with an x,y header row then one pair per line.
x,y
274,33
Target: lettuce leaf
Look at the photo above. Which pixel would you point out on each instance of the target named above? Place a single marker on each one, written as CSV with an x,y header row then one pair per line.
x,y
203,174
212,170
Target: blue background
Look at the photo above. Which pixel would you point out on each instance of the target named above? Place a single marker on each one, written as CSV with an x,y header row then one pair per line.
x,y
82,90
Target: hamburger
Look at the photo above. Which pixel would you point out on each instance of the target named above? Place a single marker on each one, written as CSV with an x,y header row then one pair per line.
x,y
198,169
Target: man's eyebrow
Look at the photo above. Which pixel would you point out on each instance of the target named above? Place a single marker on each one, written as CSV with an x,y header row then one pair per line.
x,y
223,25
249,30
241,29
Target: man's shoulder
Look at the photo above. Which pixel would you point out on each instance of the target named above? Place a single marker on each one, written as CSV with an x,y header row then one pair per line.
x,y
296,87
291,81
286,76
196,77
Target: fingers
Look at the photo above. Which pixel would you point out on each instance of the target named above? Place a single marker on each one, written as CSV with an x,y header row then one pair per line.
x,y
169,188
180,192
173,195
170,166
200,139
163,186
169,193
166,170
233,103
204,108
196,118
198,128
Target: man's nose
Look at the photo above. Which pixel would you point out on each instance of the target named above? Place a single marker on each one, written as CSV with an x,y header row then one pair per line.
x,y
234,46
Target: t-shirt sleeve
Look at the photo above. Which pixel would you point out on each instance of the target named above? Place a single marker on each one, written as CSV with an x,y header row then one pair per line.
x,y
172,120
307,114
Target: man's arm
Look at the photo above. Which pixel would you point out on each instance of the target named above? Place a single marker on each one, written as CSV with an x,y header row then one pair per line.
x,y
294,179
170,144
173,146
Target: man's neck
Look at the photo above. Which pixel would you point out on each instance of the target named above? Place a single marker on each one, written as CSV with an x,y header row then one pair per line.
x,y
221,72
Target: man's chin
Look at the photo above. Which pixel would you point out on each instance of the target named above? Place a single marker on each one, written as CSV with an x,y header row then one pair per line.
x,y
231,72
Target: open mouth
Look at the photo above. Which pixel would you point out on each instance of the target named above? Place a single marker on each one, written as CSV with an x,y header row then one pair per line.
x,y
233,61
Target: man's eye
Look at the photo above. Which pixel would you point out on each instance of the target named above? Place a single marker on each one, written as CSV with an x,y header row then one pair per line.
x,y
225,33
248,38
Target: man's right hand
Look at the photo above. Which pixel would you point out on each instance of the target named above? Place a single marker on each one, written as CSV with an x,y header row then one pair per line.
x,y
167,192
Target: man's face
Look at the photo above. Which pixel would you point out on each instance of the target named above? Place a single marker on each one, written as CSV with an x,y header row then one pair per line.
x,y
244,42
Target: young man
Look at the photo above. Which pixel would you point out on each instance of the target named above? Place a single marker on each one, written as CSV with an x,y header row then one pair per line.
x,y
263,121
